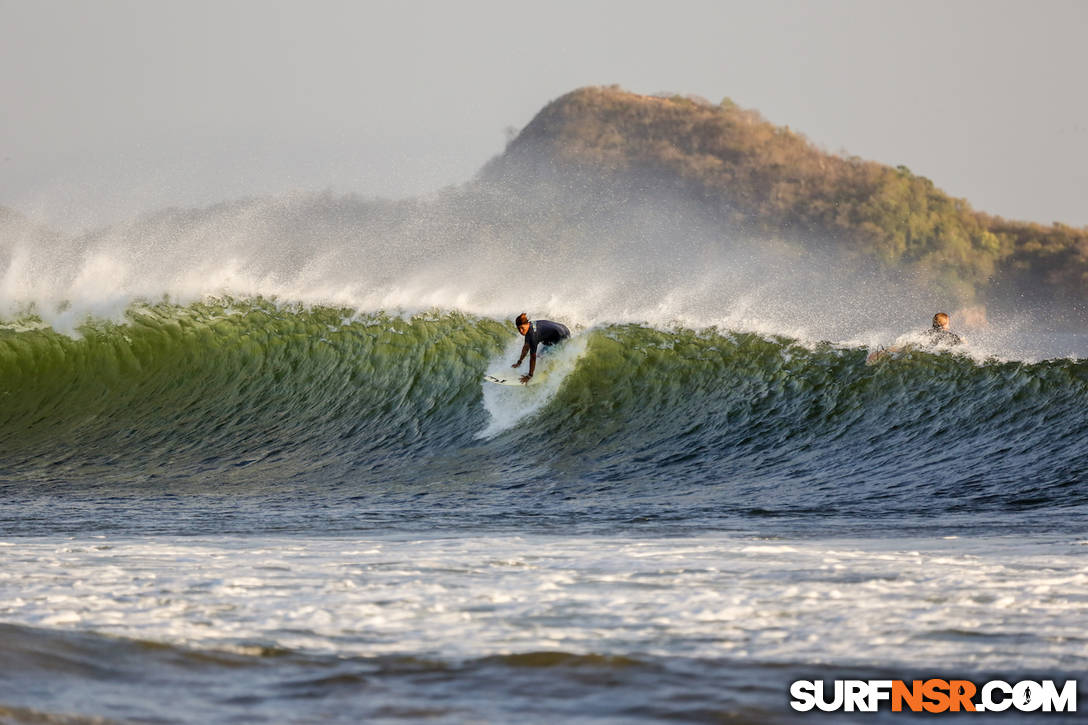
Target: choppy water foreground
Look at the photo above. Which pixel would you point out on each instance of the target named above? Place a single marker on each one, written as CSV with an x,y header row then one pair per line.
x,y
493,627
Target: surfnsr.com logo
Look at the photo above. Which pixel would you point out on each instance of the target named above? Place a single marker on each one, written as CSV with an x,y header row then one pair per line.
x,y
933,695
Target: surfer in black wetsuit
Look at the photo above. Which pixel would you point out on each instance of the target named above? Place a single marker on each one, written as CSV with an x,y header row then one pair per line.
x,y
941,333
536,333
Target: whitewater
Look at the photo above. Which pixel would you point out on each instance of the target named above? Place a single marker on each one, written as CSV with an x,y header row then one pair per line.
x,y
250,470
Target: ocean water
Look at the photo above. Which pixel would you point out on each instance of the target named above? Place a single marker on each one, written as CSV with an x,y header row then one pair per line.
x,y
284,495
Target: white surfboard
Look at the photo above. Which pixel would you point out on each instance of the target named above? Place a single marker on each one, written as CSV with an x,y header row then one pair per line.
x,y
515,380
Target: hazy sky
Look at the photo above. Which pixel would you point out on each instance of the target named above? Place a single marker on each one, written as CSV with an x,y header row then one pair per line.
x,y
112,108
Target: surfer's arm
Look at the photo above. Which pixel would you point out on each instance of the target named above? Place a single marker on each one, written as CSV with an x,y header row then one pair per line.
x,y
532,367
524,349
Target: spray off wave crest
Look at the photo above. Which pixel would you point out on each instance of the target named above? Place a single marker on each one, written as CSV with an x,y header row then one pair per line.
x,y
585,258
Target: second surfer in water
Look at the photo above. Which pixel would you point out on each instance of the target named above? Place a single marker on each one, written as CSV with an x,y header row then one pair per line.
x,y
941,332
543,332
939,335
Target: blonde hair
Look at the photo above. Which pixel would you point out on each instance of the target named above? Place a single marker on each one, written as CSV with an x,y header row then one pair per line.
x,y
940,319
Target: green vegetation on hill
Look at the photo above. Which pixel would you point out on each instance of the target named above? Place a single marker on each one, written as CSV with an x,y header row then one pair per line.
x,y
772,181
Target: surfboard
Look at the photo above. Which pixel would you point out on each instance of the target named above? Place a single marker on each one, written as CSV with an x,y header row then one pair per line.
x,y
886,353
876,356
515,380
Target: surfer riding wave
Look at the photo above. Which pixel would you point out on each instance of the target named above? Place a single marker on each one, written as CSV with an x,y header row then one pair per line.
x,y
541,332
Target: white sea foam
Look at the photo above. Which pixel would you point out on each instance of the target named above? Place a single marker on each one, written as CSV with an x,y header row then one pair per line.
x,y
968,604
508,405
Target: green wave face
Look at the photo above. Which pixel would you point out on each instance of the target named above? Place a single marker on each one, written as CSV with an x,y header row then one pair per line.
x,y
253,395
209,388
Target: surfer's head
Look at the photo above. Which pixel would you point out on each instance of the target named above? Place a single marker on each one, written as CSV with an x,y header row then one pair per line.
x,y
940,321
522,323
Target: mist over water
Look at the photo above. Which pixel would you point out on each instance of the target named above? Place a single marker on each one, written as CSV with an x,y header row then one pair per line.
x,y
585,258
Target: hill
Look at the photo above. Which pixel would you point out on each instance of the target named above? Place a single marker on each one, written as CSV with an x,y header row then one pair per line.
x,y
770,181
